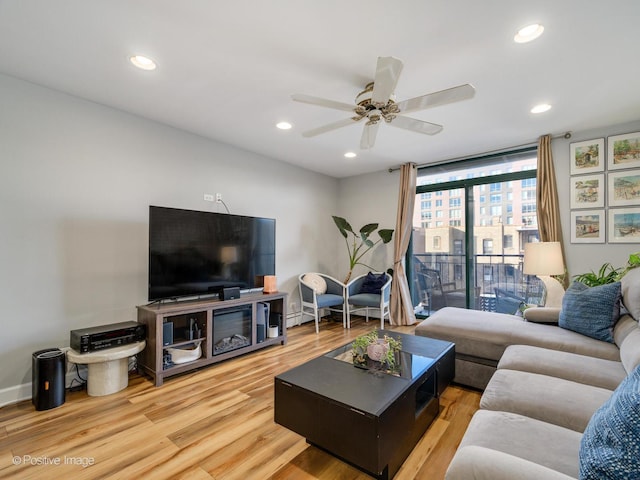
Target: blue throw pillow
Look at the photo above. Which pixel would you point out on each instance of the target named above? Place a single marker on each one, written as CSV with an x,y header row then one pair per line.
x,y
591,311
373,283
610,446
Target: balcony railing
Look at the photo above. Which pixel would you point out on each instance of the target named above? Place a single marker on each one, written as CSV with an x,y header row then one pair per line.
x,y
436,276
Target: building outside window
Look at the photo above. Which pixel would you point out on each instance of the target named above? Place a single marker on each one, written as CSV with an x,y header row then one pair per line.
x,y
507,241
477,243
487,246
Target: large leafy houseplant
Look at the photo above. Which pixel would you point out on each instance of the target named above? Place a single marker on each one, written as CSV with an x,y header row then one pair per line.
x,y
358,244
607,273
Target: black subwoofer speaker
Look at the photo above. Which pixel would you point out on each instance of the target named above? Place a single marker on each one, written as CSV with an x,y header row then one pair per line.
x,y
48,367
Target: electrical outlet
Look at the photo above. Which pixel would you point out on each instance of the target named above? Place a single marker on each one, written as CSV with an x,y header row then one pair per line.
x,y
292,306
218,198
208,197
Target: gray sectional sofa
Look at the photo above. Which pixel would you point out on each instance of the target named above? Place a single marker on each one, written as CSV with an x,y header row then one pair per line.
x,y
544,386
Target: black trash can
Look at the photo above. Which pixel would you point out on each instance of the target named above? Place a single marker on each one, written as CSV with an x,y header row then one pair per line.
x,y
48,368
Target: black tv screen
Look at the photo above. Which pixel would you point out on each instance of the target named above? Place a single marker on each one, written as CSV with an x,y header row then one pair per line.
x,y
193,253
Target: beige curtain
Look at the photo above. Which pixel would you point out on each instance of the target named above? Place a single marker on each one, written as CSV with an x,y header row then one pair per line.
x,y
401,303
547,198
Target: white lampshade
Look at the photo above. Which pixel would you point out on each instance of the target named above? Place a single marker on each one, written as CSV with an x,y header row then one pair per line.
x,y
543,258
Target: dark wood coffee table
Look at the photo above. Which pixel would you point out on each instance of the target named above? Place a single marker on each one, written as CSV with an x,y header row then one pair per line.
x,y
367,418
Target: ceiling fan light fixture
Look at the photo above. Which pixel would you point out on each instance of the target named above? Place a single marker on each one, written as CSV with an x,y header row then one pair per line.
x,y
142,62
363,99
350,155
377,102
541,108
528,33
284,125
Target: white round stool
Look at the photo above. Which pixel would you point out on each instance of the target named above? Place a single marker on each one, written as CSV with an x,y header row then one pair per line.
x,y
107,370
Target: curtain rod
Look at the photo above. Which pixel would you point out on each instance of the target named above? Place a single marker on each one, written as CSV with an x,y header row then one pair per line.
x,y
566,135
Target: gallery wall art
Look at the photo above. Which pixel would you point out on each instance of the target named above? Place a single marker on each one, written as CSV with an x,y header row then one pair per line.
x,y
605,192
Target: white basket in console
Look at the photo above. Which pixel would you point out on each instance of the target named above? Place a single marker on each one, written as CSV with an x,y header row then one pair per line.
x,y
184,355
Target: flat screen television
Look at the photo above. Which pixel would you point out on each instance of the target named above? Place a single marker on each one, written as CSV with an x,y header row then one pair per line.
x,y
193,253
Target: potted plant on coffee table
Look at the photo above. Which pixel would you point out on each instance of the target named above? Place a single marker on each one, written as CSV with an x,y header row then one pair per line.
x,y
374,352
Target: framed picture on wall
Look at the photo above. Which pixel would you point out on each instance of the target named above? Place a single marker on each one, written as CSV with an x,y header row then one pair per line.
x,y
588,226
624,151
624,188
624,225
587,191
587,156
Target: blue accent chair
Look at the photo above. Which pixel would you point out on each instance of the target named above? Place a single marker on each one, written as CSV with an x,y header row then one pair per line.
x,y
319,291
357,300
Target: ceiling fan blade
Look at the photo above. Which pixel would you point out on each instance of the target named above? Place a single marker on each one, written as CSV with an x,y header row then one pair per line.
x,y
417,126
387,75
331,126
322,102
450,95
369,133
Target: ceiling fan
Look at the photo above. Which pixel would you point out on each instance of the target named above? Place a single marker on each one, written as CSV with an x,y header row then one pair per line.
x,y
377,102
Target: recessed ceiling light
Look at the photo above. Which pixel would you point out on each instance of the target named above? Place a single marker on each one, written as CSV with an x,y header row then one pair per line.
x,y
350,155
284,125
541,108
143,62
528,33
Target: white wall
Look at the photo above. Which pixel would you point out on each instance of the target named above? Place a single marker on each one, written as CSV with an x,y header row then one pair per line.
x,y
370,198
582,258
77,180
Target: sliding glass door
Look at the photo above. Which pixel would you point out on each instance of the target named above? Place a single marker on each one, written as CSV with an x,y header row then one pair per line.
x,y
470,225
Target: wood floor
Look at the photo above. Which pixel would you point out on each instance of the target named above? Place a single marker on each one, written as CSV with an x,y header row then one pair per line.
x,y
215,423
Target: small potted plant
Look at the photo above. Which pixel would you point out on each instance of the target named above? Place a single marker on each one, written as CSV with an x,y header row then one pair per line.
x,y
371,351
608,273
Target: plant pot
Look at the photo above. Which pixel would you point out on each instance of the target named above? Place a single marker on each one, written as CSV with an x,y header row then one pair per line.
x,y
378,351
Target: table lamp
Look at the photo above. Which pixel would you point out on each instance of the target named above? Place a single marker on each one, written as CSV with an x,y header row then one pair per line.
x,y
544,259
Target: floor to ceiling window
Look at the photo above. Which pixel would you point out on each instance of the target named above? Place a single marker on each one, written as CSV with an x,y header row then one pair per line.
x,y
471,221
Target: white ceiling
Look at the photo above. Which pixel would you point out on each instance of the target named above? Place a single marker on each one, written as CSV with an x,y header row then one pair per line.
x,y
226,69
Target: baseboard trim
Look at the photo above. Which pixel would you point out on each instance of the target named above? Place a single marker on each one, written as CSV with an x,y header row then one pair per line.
x,y
20,393
15,394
